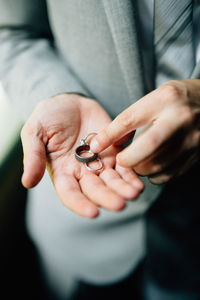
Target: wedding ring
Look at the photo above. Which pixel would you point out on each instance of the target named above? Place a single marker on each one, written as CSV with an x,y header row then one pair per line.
x,y
83,149
95,170
84,141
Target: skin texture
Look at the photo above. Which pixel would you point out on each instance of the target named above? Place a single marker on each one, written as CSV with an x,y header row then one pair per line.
x,y
169,144
49,139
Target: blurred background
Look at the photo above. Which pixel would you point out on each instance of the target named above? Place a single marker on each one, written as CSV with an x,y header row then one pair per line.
x,y
18,259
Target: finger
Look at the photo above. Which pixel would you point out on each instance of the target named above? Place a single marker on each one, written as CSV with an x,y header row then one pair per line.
x,y
113,180
180,166
68,190
150,167
160,179
125,139
34,158
130,177
136,115
162,159
95,189
150,141
171,154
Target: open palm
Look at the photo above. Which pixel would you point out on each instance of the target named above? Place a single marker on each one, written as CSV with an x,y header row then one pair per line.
x,y
50,138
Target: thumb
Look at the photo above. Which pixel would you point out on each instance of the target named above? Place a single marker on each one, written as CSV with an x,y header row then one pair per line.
x,y
34,157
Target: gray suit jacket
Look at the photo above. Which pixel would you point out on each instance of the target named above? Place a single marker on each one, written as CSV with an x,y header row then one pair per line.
x,y
94,51
90,47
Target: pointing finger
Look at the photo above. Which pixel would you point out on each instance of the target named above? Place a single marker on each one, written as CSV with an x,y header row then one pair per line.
x,y
136,115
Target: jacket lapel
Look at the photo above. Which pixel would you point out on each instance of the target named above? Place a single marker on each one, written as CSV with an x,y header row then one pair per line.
x,y
122,21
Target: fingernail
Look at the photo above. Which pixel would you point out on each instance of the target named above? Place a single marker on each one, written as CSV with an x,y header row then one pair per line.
x,y
94,145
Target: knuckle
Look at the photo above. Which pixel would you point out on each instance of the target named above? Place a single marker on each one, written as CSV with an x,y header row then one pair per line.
x,y
39,152
173,90
187,114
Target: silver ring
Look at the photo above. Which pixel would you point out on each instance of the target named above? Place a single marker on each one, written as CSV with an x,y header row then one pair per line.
x,y
95,170
82,149
84,141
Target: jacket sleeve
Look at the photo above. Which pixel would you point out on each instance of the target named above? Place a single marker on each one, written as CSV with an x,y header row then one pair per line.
x,y
31,68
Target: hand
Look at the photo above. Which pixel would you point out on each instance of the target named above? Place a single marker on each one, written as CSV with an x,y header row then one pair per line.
x,y
50,137
170,145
